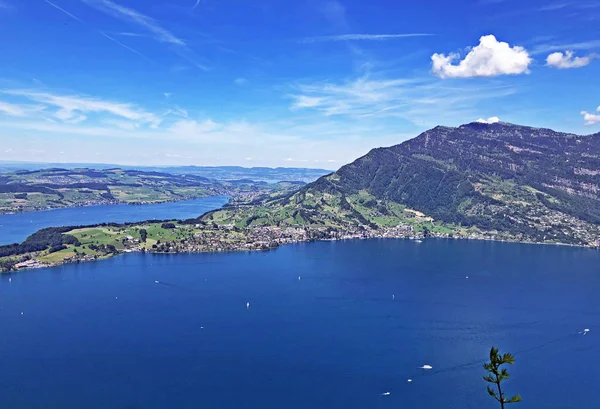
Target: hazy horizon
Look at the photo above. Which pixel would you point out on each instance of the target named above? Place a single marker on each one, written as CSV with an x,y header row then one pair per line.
x,y
9,162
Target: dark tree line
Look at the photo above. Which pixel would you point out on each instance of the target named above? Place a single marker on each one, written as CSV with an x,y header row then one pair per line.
x,y
51,237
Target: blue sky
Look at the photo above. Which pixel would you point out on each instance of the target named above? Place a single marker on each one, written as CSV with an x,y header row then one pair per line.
x,y
309,83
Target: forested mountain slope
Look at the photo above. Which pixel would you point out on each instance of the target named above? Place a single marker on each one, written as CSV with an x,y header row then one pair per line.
x,y
533,184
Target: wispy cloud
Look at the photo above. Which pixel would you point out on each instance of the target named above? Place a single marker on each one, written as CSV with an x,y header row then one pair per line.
x,y
150,25
578,5
422,101
554,6
4,5
335,13
584,45
72,108
191,57
362,37
19,110
11,109
196,5
135,17
129,34
64,11
101,32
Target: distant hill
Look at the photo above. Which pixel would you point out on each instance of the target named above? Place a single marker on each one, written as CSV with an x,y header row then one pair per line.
x,y
30,190
211,172
518,182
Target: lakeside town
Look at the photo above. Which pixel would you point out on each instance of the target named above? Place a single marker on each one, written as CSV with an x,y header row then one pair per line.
x,y
228,238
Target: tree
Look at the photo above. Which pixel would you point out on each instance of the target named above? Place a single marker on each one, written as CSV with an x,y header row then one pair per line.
x,y
497,375
143,235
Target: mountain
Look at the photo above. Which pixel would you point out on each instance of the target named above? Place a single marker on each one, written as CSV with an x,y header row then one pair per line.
x,y
508,181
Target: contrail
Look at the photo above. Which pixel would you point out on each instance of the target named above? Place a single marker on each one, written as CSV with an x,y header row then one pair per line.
x,y
65,11
196,5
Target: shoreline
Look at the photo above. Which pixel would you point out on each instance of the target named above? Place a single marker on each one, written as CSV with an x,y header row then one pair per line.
x,y
107,203
273,245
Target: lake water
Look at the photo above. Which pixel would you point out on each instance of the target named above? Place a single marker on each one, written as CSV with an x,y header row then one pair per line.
x,y
104,335
14,228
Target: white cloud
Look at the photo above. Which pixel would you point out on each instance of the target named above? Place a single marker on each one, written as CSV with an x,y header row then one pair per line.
x,y
240,81
132,16
167,94
568,60
591,119
491,120
71,107
362,37
488,59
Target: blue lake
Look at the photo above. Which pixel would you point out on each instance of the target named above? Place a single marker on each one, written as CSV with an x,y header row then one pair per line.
x,y
14,228
105,335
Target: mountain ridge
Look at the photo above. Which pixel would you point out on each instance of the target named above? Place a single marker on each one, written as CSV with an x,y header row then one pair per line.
x,y
530,184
